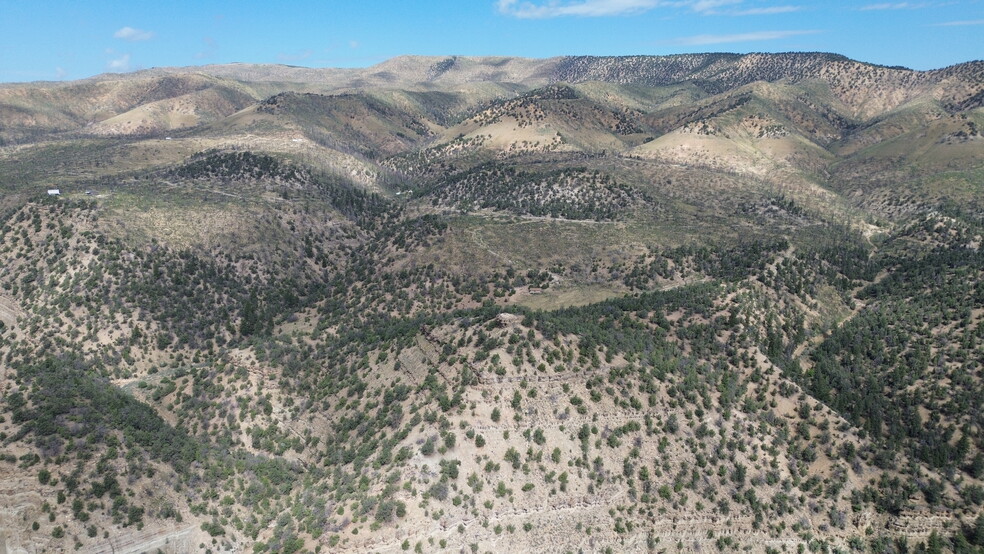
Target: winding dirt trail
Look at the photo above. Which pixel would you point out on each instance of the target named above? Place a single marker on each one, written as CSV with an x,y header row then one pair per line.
x,y
179,540
9,311
481,242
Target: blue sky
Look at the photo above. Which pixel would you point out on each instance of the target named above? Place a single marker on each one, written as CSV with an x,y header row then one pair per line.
x,y
61,39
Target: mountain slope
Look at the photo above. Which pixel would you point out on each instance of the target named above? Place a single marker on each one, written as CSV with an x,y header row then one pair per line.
x,y
138,105
685,303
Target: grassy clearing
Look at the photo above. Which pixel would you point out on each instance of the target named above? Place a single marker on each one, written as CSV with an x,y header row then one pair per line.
x,y
482,243
567,297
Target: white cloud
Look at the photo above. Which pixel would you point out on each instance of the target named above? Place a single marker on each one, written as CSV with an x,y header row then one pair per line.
x,y
767,11
700,40
961,23
584,8
60,73
598,8
133,35
895,6
121,63
711,6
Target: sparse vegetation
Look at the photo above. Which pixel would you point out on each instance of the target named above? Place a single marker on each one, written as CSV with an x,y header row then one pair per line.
x,y
333,343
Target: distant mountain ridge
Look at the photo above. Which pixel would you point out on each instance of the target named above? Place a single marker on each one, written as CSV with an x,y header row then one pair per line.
x,y
866,88
721,70
818,106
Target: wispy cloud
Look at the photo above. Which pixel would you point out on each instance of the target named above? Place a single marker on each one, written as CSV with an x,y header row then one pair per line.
x,y
60,73
133,35
599,8
711,7
585,8
732,7
121,63
701,40
893,6
960,23
767,11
